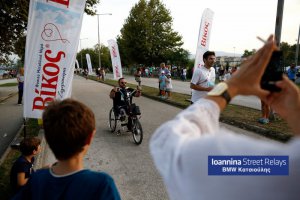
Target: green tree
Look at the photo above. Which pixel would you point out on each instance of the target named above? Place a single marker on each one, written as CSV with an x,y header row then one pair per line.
x,y
289,53
13,24
81,56
248,53
147,36
94,55
104,55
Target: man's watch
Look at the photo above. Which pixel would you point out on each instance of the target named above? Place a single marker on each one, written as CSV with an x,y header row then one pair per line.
x,y
220,89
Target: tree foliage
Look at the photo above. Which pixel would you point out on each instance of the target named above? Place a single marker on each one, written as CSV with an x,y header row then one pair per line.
x,y
147,36
94,54
248,53
289,53
13,24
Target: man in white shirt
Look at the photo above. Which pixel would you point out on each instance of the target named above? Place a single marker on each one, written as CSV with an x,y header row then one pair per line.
x,y
203,79
182,147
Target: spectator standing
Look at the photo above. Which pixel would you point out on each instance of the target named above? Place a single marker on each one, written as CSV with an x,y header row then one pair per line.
x,y
265,113
98,73
147,72
221,73
181,146
169,86
291,72
22,168
151,71
203,79
102,73
162,70
20,79
162,85
138,75
184,71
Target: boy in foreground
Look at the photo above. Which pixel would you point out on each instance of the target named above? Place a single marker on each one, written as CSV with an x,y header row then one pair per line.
x,y
69,128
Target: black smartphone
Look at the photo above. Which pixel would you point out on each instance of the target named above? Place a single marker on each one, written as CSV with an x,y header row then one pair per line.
x,y
273,72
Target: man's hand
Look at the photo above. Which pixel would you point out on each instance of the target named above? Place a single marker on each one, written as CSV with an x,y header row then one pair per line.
x,y
287,103
113,92
246,81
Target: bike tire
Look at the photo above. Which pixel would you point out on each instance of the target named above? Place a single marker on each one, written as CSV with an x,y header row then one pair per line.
x,y
112,120
137,131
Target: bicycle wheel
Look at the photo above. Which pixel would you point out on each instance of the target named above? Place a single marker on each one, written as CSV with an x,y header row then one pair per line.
x,y
112,120
137,131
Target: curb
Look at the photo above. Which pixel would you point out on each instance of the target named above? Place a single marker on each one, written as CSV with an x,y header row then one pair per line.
x,y
40,158
275,135
7,97
16,138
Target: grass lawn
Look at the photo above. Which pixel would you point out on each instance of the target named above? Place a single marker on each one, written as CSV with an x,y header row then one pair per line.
x,y
9,84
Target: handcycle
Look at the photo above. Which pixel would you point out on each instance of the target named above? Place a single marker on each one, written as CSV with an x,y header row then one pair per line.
x,y
132,113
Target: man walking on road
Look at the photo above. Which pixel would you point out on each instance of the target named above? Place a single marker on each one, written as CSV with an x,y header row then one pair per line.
x,y
203,79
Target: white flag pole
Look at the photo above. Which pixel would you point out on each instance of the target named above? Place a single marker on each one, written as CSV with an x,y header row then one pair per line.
x,y
115,59
204,36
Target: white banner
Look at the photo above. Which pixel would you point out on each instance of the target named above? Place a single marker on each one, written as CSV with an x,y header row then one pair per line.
x,y
115,59
204,36
77,64
89,64
51,44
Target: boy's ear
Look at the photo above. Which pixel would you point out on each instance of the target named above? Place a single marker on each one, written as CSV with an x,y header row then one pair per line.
x,y
90,137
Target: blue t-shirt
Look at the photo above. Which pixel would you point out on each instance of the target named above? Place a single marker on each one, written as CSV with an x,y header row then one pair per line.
x,y
84,184
162,82
21,165
292,73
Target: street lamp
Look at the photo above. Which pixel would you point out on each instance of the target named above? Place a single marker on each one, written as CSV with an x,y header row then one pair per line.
x,y
81,51
99,35
234,56
297,49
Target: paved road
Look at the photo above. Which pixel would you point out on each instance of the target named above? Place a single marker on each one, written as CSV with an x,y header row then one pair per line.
x,y
11,117
131,166
184,88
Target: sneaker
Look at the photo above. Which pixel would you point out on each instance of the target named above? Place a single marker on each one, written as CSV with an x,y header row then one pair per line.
x,y
263,120
19,104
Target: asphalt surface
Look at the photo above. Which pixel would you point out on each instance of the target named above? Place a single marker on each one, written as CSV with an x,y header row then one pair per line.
x,y
11,114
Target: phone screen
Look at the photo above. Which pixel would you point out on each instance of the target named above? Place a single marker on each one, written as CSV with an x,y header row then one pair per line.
x,y
273,72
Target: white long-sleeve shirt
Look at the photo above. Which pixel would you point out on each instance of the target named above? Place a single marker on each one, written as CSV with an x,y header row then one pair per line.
x,y
180,149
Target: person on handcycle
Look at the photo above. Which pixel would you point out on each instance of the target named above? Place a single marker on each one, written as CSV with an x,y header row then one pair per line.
x,y
119,96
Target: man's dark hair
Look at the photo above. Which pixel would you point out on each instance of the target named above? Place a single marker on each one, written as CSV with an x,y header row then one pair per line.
x,y
207,54
68,124
120,80
28,145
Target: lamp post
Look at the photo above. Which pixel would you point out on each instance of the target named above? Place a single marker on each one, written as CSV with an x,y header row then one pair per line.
x,y
99,36
234,56
297,49
80,51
